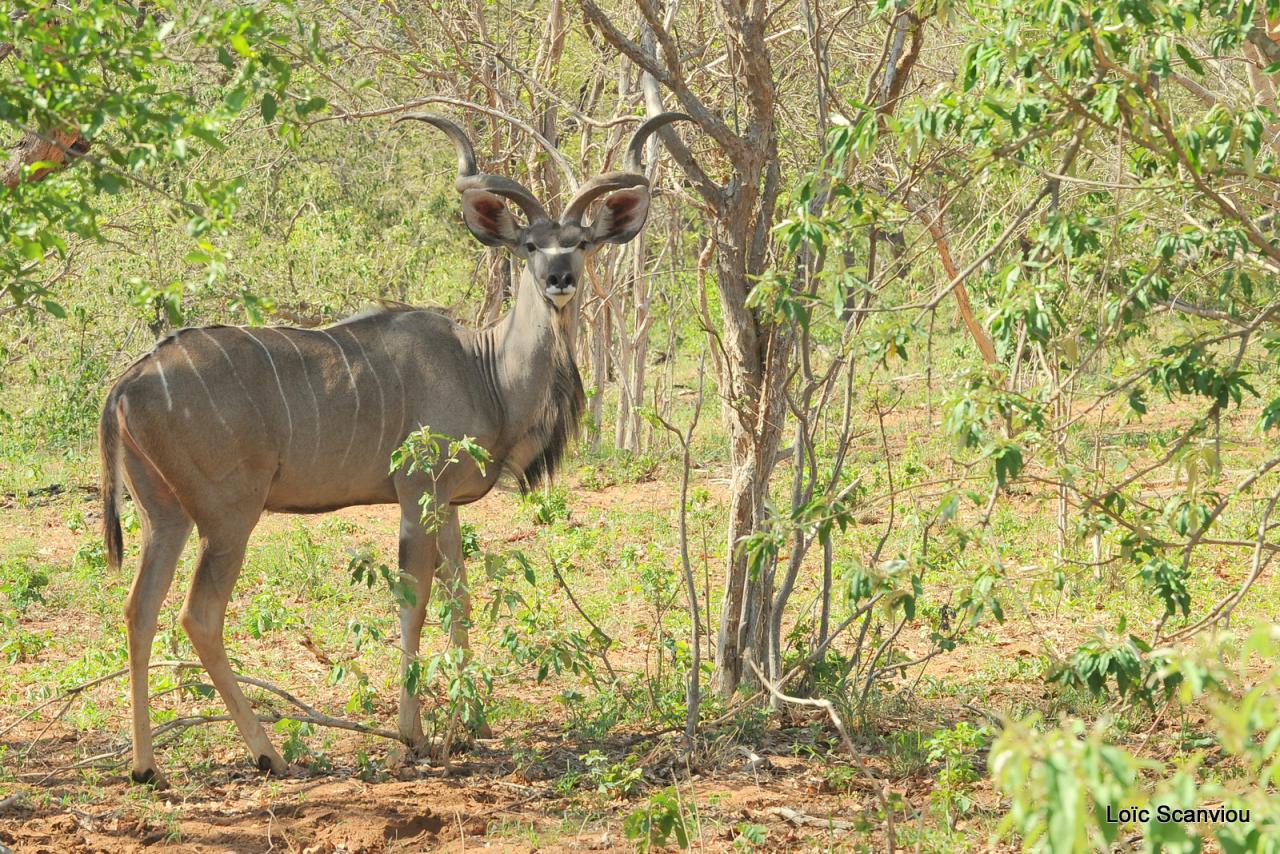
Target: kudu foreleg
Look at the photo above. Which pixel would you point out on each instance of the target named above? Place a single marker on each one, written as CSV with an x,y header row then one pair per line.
x,y
422,552
203,617
419,555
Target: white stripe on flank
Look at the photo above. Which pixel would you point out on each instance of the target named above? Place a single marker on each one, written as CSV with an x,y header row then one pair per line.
x,y
213,404
315,401
382,399
288,413
355,419
231,364
404,393
164,382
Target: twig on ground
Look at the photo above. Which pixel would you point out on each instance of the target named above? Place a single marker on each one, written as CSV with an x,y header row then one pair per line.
x,y
800,819
310,716
829,707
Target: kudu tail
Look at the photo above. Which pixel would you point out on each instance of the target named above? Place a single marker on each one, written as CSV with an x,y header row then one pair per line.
x,y
109,450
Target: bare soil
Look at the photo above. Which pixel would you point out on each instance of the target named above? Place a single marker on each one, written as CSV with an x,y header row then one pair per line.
x,y
482,800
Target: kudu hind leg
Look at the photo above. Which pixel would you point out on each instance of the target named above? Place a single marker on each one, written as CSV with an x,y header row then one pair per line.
x,y
203,617
453,573
166,527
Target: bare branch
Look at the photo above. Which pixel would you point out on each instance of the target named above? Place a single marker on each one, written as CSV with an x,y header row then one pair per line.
x,y
734,147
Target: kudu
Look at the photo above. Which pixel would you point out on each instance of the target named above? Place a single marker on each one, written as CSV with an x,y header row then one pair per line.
x,y
219,423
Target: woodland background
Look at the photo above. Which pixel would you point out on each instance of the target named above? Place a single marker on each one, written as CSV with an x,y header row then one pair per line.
x,y
926,492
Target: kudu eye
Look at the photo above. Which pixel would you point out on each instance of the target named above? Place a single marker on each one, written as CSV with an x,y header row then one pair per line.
x,y
583,244
529,247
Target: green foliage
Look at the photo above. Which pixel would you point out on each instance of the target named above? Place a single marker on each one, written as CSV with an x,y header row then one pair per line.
x,y
1125,660
461,687
135,85
295,748
364,570
547,506
370,770
616,779
1064,781
661,820
23,584
430,454
953,749
17,643
535,632
749,835
470,540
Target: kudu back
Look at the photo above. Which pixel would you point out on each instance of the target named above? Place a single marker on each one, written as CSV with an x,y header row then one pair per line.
x,y
217,424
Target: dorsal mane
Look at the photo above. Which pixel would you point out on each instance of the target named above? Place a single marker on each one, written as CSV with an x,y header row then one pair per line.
x,y
382,307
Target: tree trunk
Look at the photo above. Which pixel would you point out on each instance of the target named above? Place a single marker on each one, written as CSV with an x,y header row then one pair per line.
x,y
741,207
57,148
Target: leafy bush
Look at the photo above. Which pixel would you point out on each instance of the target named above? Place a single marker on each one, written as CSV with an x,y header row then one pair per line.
x,y
1064,782
547,506
659,821
23,584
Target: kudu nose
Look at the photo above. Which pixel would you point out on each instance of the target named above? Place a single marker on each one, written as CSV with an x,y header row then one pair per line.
x,y
553,280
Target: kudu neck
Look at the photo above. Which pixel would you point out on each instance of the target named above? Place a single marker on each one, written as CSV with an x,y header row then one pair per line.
x,y
528,345
527,362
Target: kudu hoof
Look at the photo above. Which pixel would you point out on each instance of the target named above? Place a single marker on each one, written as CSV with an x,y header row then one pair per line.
x,y
267,765
149,777
275,766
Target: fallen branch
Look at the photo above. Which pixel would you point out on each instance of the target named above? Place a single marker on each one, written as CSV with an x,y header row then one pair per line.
x,y
800,819
321,720
829,707
182,724
310,715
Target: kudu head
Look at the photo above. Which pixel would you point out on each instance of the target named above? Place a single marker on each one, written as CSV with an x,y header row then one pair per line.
x,y
554,249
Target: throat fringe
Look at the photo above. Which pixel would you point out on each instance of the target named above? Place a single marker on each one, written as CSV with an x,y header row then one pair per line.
x,y
560,419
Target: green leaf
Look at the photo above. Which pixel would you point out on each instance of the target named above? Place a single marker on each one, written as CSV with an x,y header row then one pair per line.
x,y
241,45
107,182
311,105
269,107
55,309
1191,61
32,250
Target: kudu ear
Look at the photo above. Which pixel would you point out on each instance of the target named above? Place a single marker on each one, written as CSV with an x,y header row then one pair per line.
x,y
621,216
489,218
